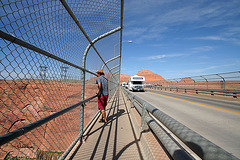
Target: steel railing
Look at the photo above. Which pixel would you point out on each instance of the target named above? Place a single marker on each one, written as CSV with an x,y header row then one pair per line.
x,y
198,144
227,84
47,82
234,94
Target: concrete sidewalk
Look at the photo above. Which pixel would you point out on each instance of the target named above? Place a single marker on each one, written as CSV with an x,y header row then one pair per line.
x,y
114,140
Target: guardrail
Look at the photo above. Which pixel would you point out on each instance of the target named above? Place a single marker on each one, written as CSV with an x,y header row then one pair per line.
x,y
198,144
227,84
234,94
50,52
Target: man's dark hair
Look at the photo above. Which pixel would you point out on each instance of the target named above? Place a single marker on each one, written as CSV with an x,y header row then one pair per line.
x,y
101,74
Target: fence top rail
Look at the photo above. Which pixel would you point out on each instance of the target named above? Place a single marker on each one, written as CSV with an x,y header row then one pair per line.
x,y
219,76
198,89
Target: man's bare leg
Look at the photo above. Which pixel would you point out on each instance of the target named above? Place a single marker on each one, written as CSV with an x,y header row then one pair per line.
x,y
104,115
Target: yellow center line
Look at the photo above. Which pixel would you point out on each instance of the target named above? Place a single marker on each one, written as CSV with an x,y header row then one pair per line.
x,y
196,103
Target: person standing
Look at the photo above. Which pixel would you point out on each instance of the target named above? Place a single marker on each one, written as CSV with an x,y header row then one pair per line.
x,y
102,92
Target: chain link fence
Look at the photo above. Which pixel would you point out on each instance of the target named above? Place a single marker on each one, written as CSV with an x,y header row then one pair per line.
x,y
42,70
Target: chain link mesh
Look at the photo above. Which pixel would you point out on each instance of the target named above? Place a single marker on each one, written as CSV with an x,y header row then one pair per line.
x,y
34,85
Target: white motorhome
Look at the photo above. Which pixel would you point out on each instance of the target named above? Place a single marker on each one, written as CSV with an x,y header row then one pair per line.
x,y
135,83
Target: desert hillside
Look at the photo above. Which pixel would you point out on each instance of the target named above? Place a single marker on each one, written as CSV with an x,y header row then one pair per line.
x,y
124,78
26,101
149,76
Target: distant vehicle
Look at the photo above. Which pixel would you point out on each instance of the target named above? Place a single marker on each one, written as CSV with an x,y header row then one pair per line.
x,y
124,84
135,83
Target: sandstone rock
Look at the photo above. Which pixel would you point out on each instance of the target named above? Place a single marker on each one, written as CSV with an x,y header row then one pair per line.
x,y
26,101
124,78
150,76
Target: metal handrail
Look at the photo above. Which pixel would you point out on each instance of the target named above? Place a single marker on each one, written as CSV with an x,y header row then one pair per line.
x,y
198,144
200,89
234,93
21,131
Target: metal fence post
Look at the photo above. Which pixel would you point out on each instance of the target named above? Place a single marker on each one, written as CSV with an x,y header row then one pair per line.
x,y
82,98
206,81
131,100
177,86
194,84
223,81
143,121
185,86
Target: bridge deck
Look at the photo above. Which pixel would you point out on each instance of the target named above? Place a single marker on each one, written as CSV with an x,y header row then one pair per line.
x,y
114,140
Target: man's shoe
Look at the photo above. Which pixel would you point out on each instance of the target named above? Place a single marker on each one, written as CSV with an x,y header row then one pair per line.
x,y
101,120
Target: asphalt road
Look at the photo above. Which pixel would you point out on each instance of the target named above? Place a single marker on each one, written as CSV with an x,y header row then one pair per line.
x,y
215,119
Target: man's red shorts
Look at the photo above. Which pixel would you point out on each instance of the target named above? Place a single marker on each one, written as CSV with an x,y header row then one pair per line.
x,y
102,102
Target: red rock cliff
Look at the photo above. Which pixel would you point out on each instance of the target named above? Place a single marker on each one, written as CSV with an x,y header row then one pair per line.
x,y
124,78
149,75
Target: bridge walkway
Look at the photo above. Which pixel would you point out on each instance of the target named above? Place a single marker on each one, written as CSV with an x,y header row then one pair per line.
x,y
121,137
114,140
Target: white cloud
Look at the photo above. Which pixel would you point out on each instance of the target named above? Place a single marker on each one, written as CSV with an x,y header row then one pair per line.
x,y
140,34
155,57
219,38
202,49
144,6
172,12
164,14
135,31
201,70
215,38
232,31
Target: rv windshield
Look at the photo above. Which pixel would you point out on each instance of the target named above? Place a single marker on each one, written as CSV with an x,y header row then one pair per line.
x,y
137,82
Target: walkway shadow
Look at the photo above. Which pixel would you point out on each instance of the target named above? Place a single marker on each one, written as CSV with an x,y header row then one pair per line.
x,y
116,115
110,119
125,148
108,133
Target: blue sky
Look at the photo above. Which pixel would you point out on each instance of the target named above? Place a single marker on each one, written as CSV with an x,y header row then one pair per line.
x,y
177,39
